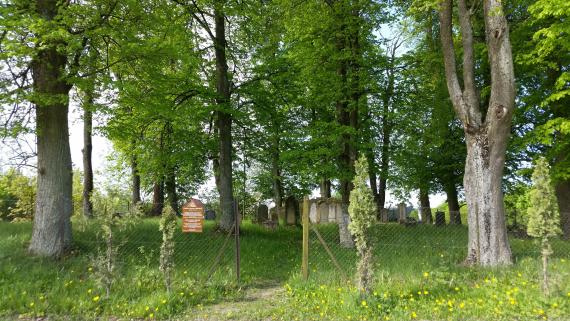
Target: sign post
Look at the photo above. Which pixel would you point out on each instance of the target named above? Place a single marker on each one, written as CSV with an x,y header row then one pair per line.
x,y
237,224
193,216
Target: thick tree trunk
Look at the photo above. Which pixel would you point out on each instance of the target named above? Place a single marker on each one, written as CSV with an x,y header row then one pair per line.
x,y
486,136
157,198
224,123
51,233
87,151
136,181
425,207
453,205
563,197
488,243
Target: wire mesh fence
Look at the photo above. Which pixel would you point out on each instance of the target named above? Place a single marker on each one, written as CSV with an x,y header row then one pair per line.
x,y
408,245
275,254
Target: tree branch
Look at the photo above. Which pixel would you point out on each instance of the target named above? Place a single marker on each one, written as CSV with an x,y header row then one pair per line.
x,y
455,92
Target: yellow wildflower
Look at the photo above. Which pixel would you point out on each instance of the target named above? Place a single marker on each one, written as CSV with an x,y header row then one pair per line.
x,y
96,298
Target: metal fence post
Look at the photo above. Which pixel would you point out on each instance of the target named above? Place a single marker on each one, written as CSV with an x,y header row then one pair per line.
x,y
305,263
237,225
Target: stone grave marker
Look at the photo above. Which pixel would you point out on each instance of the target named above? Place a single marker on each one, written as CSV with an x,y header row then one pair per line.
x,y
313,213
402,217
291,210
210,215
323,212
439,218
261,213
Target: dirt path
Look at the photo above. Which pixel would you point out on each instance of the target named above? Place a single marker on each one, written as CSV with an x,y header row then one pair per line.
x,y
246,308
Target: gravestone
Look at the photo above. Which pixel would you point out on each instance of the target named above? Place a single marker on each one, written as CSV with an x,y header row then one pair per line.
x,y
384,215
210,215
273,214
323,212
346,240
313,213
402,217
333,218
439,218
291,210
262,213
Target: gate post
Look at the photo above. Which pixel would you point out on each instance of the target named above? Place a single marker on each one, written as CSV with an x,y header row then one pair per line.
x,y
305,219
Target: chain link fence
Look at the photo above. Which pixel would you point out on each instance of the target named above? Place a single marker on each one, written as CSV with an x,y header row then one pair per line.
x,y
408,246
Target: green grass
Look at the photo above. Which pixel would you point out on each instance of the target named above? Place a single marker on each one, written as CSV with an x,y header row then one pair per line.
x,y
418,274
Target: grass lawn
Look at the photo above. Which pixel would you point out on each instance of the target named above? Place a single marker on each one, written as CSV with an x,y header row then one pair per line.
x,y
418,276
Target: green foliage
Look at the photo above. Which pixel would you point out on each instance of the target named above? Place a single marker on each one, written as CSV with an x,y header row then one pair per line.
x,y
543,216
167,227
362,211
17,196
517,202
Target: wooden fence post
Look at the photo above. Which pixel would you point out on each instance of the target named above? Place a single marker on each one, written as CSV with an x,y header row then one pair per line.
x,y
305,219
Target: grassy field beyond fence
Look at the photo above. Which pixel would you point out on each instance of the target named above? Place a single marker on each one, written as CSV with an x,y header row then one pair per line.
x,y
418,276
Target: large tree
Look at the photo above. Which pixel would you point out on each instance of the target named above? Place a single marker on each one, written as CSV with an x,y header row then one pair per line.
x,y
487,128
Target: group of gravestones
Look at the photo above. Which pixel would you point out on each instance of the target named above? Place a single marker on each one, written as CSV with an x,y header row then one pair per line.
x,y
290,214
327,210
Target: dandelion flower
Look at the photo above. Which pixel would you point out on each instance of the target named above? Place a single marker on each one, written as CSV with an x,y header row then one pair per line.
x,y
96,298
426,274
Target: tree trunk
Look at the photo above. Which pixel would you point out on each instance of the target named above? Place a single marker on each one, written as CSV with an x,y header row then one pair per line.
x,y
374,183
276,175
170,187
87,151
488,243
157,198
51,233
385,157
136,181
486,135
563,197
325,188
224,122
453,205
425,207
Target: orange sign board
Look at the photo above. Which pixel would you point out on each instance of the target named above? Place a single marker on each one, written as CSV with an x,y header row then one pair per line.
x,y
193,216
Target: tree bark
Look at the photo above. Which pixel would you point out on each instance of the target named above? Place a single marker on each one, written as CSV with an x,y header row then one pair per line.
x,y
170,187
425,207
453,205
157,198
374,183
51,233
87,151
386,132
224,121
325,188
563,197
136,181
486,139
276,172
